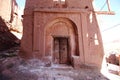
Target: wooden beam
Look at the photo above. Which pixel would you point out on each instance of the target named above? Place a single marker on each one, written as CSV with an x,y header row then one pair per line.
x,y
105,12
108,4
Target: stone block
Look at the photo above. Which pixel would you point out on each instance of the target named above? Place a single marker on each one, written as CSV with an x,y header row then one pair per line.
x,y
76,62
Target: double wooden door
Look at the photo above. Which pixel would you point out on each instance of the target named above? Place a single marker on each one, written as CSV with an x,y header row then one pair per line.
x,y
61,50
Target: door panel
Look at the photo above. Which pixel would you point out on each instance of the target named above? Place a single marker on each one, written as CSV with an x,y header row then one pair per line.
x,y
56,50
63,50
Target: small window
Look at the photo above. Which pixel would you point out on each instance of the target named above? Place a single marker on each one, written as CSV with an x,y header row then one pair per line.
x,y
59,3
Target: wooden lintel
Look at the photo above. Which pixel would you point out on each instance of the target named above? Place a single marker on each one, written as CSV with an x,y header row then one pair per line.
x,y
105,12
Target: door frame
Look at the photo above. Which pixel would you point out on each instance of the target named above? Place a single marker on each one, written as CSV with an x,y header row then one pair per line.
x,y
69,51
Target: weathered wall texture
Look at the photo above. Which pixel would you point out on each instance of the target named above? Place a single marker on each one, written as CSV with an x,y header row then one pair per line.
x,y
8,21
46,20
9,13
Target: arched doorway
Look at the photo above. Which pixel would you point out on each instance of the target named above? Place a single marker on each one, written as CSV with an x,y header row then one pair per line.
x,y
61,40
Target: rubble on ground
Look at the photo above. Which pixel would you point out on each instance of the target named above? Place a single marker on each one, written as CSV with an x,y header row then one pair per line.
x,y
15,68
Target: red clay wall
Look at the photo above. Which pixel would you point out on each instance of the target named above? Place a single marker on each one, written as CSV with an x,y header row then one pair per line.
x,y
40,14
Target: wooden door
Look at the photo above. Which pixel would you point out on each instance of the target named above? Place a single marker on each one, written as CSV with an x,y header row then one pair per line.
x,y
61,50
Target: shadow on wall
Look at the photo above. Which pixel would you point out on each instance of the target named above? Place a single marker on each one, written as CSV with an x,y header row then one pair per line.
x,y
7,39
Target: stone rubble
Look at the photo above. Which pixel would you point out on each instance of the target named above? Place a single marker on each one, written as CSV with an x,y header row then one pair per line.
x,y
15,68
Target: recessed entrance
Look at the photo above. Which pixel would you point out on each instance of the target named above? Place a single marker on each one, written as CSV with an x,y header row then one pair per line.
x,y
61,50
61,41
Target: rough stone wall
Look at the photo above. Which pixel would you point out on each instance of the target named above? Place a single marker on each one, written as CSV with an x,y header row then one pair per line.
x,y
40,14
7,39
5,9
9,13
8,22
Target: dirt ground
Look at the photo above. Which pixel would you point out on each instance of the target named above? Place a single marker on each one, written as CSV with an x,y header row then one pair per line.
x,y
14,68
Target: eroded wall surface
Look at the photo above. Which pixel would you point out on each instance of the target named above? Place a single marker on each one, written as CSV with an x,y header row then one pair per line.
x,y
44,20
8,21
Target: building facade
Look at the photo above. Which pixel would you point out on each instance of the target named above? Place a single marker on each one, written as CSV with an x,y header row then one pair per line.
x,y
64,31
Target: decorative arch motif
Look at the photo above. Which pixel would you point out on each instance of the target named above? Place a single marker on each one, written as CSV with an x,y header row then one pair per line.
x,y
61,27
